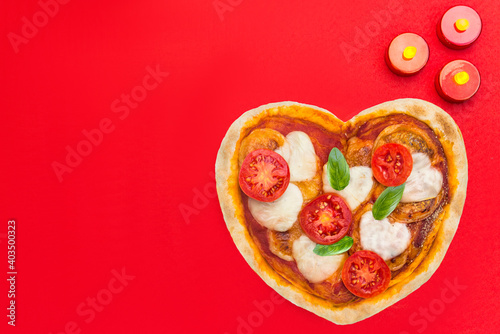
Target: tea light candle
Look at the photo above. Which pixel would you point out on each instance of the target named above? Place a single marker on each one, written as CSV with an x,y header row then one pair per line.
x,y
407,54
459,27
458,81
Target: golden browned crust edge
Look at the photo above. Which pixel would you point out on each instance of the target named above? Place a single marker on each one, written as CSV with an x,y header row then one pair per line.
x,y
229,197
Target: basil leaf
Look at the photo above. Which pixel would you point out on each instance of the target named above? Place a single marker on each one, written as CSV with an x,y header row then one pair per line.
x,y
387,201
341,246
338,170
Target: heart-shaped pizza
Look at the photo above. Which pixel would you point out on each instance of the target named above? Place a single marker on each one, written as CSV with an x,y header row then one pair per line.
x,y
343,218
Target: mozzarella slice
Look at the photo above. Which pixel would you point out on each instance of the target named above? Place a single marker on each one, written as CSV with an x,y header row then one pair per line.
x,y
360,185
383,237
299,152
284,151
280,214
315,268
424,182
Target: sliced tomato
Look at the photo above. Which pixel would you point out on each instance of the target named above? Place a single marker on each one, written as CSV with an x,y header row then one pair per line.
x,y
264,175
392,164
326,219
366,274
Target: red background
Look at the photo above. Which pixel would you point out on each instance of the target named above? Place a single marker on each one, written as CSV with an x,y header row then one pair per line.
x,y
120,207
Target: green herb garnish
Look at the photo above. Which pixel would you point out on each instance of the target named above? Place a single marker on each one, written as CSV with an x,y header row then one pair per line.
x,y
341,246
338,170
387,201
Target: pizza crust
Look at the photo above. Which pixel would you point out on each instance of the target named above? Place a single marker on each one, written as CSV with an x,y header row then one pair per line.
x,y
230,200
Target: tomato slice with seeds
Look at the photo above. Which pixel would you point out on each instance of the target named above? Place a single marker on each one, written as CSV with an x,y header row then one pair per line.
x,y
392,164
326,219
366,274
264,175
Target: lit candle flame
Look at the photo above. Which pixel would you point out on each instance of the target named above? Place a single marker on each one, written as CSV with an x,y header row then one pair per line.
x,y
409,52
461,78
462,25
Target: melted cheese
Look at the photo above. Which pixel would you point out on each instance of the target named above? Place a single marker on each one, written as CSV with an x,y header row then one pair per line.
x,y
383,237
280,214
424,182
315,268
299,152
284,151
360,185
